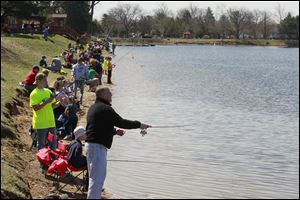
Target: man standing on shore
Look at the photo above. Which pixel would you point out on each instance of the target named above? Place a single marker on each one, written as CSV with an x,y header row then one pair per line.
x,y
80,75
113,48
101,119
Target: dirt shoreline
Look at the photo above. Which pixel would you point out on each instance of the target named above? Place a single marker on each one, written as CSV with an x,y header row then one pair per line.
x,y
219,42
41,187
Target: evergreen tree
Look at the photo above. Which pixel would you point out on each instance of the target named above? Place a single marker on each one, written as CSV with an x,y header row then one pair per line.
x,y
78,15
209,21
289,27
21,9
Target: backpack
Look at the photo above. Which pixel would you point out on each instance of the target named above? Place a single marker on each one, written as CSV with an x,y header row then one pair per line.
x,y
60,165
46,156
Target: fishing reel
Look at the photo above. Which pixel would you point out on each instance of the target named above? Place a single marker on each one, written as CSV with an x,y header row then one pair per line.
x,y
143,132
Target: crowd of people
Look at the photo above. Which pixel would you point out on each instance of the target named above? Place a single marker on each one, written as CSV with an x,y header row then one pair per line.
x,y
86,70
55,109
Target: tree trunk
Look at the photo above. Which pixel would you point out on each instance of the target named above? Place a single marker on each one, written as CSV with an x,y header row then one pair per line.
x,y
126,32
265,30
237,33
92,14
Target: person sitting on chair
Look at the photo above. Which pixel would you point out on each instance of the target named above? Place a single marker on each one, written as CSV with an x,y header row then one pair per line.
x,y
75,157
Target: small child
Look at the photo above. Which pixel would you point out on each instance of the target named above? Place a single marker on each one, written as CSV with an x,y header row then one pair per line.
x,y
105,65
110,67
75,157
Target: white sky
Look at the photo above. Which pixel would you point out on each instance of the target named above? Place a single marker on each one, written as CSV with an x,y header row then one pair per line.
x,y
149,6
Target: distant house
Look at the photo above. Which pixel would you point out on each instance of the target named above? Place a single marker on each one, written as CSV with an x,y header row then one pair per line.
x,y
244,36
55,21
15,24
186,35
274,35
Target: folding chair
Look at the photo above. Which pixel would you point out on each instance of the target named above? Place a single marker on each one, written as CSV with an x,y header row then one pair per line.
x,y
62,169
83,185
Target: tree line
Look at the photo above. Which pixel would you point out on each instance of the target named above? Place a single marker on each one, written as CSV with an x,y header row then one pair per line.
x,y
125,19
129,20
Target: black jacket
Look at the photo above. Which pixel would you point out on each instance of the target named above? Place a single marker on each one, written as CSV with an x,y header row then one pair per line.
x,y
75,157
101,119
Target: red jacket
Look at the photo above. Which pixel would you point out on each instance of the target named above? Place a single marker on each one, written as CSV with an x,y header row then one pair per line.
x,y
30,78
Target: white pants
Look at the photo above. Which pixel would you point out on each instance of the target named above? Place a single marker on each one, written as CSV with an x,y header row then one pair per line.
x,y
96,155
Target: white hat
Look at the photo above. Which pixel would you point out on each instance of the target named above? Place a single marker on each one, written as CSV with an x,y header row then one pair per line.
x,y
79,131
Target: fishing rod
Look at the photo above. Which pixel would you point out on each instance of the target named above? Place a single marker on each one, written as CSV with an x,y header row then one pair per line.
x,y
144,131
169,126
68,86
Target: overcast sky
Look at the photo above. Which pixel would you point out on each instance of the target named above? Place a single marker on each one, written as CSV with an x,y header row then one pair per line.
x,y
149,6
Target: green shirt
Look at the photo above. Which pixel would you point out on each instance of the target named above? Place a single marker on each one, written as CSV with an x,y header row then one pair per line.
x,y
105,65
43,118
91,74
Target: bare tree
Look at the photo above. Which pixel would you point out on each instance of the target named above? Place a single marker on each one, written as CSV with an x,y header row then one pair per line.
x,y
220,10
145,24
238,19
256,18
252,23
127,15
185,19
200,22
266,22
93,4
162,17
223,26
163,9
280,12
193,10
210,22
108,22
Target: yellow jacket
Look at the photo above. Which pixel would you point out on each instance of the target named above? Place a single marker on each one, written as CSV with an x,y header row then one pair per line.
x,y
105,65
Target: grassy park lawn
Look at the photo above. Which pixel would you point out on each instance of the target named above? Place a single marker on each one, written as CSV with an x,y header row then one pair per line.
x,y
18,54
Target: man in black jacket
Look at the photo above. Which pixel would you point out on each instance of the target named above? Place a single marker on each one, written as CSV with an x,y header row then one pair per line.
x,y
101,120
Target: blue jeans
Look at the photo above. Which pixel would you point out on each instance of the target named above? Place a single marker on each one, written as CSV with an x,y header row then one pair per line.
x,y
42,135
96,155
80,84
46,36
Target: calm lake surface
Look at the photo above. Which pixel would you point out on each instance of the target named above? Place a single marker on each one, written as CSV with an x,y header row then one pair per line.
x,y
239,108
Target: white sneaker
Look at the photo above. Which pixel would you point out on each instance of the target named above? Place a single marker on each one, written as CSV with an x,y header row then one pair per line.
x,y
68,137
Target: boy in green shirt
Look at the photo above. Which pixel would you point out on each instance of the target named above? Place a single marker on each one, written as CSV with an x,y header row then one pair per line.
x,y
92,81
43,102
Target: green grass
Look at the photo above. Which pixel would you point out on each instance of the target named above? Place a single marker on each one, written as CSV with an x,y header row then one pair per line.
x,y
18,54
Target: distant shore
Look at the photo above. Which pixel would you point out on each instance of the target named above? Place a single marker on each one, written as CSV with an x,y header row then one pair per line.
x,y
222,42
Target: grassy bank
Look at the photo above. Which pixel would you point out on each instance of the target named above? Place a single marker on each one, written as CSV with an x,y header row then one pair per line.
x,y
18,54
253,42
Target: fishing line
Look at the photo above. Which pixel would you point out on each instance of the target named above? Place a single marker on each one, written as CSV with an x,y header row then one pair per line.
x,y
125,55
144,131
148,162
